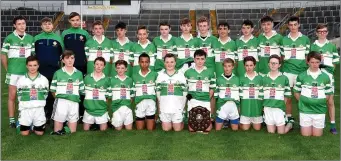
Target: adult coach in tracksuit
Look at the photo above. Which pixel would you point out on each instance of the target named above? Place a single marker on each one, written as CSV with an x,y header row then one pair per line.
x,y
48,48
74,39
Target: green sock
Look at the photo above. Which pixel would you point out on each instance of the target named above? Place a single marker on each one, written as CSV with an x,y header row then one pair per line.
x,y
11,120
332,125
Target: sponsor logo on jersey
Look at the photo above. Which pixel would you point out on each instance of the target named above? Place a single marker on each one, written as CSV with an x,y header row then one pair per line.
x,y
314,90
170,89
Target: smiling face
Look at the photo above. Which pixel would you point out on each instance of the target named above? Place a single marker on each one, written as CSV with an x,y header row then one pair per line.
x,y
142,35
32,67
170,63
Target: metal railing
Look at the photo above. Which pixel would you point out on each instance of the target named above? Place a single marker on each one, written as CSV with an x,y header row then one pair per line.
x,y
245,6
30,6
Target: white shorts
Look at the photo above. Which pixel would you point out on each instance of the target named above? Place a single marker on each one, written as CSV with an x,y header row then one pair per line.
x,y
89,119
274,116
122,116
228,111
194,103
32,116
12,79
315,120
249,120
292,78
65,110
171,117
331,77
145,108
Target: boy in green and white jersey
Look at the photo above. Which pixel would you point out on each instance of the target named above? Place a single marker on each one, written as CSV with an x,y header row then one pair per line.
x,y
205,41
247,45
329,58
145,94
269,44
276,91
66,86
201,84
227,94
121,48
171,93
16,47
185,46
251,94
32,90
224,47
98,46
295,47
164,44
312,90
121,93
96,94
143,45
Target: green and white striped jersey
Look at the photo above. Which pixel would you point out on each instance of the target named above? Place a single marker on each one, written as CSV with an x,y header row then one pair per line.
x,y
67,85
172,89
268,46
17,50
244,49
313,92
121,91
144,85
200,83
251,94
227,89
94,49
295,52
122,52
32,93
206,45
330,55
96,94
163,47
185,50
275,89
221,51
137,49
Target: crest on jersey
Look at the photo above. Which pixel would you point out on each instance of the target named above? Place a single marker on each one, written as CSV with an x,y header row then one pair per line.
x,y
77,81
151,81
54,43
251,47
301,46
102,87
279,86
322,84
234,85
206,78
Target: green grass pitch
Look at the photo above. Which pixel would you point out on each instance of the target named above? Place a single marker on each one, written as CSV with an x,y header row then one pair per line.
x,y
159,145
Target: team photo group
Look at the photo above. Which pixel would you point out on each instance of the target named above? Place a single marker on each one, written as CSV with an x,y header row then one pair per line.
x,y
63,80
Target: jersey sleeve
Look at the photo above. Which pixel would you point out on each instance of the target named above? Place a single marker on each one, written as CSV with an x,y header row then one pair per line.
x,y
298,85
213,81
19,90
241,83
5,46
108,90
307,46
328,90
287,91
336,56
131,54
53,86
158,83
33,49
281,47
86,49
81,86
261,90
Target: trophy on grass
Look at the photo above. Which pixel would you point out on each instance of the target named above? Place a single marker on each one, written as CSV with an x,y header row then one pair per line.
x,y
199,119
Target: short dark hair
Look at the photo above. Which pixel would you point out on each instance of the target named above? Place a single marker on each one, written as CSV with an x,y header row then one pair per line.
x,y
247,23
31,58
100,59
45,19
185,21
141,28
266,19
74,14
67,53
294,18
275,57
200,52
144,55
121,25
169,55
164,23
250,58
97,23
228,60
225,24
321,26
121,62
20,17
315,55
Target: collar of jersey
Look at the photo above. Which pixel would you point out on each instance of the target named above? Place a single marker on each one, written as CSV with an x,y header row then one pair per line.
x,y
249,77
116,76
242,38
191,37
38,75
279,74
126,41
204,68
103,37
232,75
93,76
74,70
17,35
208,35
176,71
321,45
318,71
165,41
145,45
228,40
146,74
299,35
273,34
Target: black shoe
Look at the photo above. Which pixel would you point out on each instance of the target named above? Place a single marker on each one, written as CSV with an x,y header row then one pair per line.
x,y
60,132
94,127
12,125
